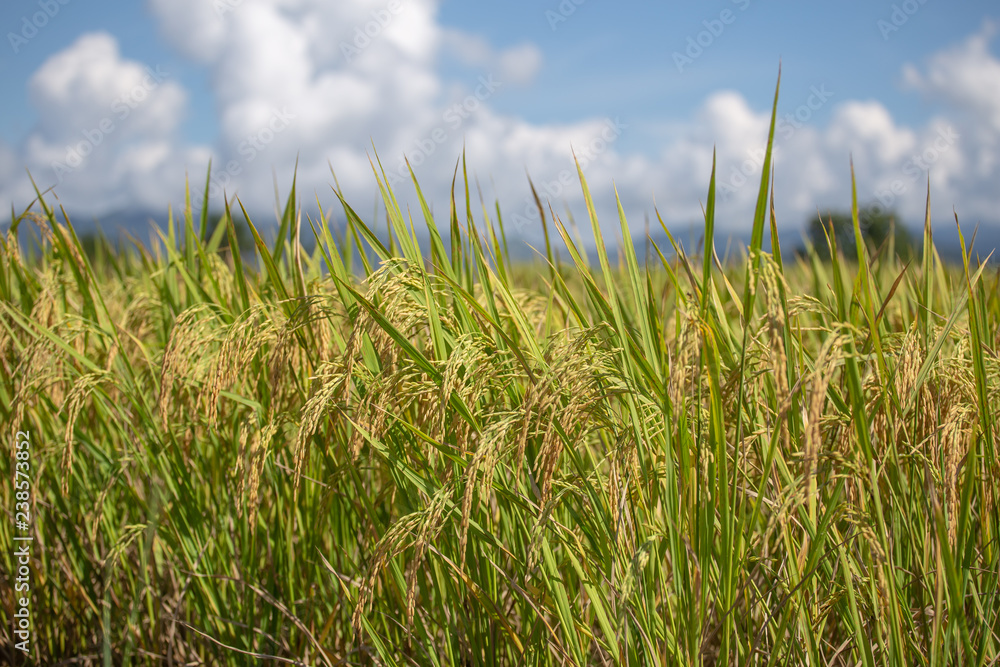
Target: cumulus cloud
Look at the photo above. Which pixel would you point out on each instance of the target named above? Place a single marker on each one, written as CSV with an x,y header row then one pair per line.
x,y
959,147
966,76
89,82
105,131
517,65
344,77
318,84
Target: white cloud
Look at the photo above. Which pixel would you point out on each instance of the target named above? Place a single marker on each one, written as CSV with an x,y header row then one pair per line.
x,y
349,74
197,29
966,76
517,65
472,50
868,128
105,132
959,147
319,83
77,88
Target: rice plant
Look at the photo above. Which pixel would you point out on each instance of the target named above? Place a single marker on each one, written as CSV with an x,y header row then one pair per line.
x,y
380,453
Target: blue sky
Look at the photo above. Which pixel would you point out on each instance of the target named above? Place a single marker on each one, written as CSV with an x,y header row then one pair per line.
x,y
113,102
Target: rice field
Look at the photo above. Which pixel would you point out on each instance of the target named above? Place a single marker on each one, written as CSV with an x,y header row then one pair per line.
x,y
439,456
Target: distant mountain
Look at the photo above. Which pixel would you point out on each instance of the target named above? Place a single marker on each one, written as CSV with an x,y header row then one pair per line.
x,y
136,223
987,240
139,224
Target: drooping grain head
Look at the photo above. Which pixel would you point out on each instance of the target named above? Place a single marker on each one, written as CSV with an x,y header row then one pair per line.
x,y
193,329
78,396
